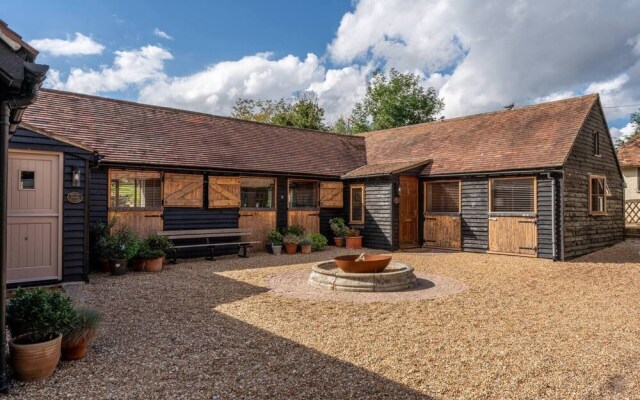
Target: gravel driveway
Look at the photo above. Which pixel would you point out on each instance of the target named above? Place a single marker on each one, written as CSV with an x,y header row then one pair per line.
x,y
525,328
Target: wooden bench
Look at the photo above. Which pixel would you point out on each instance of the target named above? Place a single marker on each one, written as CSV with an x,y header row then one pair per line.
x,y
207,235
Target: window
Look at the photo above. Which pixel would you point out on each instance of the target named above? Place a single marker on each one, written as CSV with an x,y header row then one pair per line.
x,y
135,190
596,143
598,193
356,209
303,194
443,197
257,193
27,180
513,195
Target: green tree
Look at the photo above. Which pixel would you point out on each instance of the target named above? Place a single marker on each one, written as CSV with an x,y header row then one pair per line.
x,y
635,121
395,100
341,126
303,112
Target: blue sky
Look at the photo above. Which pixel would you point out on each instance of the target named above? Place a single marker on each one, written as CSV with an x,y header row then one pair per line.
x,y
479,57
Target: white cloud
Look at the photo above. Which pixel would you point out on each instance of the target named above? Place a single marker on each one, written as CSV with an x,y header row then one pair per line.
x,y
80,45
162,34
623,132
134,67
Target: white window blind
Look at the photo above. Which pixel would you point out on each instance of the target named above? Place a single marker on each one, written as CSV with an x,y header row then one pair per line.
x,y
513,195
443,197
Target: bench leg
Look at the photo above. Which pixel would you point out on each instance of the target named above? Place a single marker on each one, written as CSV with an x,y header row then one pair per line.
x,y
244,253
211,254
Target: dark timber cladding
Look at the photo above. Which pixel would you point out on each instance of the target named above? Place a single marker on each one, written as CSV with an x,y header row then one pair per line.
x,y
583,232
377,231
75,227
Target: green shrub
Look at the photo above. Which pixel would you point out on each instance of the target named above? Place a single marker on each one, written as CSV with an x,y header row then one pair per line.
x,y
275,238
123,245
338,227
291,238
85,326
159,243
293,229
352,232
145,252
99,238
40,314
318,241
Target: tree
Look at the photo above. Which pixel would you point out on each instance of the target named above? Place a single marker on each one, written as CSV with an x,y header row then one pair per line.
x,y
303,112
635,122
396,100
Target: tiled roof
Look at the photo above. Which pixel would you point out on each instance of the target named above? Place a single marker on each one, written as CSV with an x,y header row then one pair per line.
x,y
389,168
629,153
132,133
536,136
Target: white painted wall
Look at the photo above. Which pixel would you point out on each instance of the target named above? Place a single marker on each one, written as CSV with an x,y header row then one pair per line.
x,y
631,179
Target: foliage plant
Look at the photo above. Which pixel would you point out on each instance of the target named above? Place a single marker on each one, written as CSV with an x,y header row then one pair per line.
x,y
275,238
635,123
338,227
146,252
318,241
84,327
306,241
160,243
297,230
40,314
99,237
123,244
352,232
291,238
303,112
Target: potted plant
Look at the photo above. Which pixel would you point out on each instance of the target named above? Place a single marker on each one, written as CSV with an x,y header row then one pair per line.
x,y
36,320
155,248
339,229
99,243
291,241
354,240
137,262
274,238
318,241
122,246
305,245
76,340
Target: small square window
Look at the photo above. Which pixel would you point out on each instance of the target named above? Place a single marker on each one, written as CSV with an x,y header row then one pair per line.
x,y
27,180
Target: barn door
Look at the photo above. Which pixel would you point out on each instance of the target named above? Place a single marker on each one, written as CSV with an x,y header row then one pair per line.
x,y
442,227
34,202
224,192
308,219
512,220
260,223
183,190
408,211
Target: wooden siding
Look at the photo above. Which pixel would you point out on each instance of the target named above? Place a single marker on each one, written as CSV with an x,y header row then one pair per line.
x,y
545,218
75,227
474,214
583,233
378,230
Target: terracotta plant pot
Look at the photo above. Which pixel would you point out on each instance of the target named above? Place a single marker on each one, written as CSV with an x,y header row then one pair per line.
x,y
31,362
137,264
77,352
154,265
354,242
305,249
291,248
338,241
276,249
104,264
118,267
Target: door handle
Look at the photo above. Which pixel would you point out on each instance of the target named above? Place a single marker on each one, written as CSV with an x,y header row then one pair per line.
x,y
493,219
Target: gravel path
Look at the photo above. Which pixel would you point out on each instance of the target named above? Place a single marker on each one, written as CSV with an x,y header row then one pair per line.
x,y
524,328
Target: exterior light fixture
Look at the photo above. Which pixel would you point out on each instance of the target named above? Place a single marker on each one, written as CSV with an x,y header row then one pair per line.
x,y
75,177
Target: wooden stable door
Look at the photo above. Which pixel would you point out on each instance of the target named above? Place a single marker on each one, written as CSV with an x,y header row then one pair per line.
x,y
408,211
442,226
144,222
442,231
513,235
260,223
308,219
34,211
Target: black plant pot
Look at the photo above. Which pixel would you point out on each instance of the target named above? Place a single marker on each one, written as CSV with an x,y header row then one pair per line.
x,y
118,267
269,249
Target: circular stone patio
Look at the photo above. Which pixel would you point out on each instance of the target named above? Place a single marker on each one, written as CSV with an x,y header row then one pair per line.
x,y
296,284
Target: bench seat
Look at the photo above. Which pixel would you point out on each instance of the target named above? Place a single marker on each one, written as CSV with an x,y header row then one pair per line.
x,y
207,235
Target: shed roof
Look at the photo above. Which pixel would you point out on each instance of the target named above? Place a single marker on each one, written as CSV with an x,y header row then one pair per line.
x,y
629,153
133,133
537,136
371,170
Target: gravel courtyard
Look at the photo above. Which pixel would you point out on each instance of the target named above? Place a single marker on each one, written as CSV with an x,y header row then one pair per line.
x,y
523,328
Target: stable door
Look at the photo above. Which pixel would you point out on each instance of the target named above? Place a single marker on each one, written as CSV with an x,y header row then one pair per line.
x,y
442,226
408,211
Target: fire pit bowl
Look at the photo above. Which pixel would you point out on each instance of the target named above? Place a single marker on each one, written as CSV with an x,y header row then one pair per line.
x,y
371,263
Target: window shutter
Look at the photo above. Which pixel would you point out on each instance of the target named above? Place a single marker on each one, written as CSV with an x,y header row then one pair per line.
x,y
183,190
224,192
331,194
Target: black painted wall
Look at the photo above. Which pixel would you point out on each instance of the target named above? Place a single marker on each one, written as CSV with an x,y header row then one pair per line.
x,y
474,214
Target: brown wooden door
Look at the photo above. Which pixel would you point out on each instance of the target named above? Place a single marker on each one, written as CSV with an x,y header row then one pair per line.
x,y
260,223
442,231
145,223
513,235
408,211
34,211
309,219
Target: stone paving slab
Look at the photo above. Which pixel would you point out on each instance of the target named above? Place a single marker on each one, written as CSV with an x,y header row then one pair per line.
x,y
295,284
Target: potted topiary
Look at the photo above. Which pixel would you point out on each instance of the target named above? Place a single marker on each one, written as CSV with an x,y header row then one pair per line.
x,y
305,245
291,241
36,320
318,241
339,229
274,238
156,247
354,240
76,340
123,246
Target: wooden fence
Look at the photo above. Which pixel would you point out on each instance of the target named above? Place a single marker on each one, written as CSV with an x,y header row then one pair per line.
x,y
632,211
